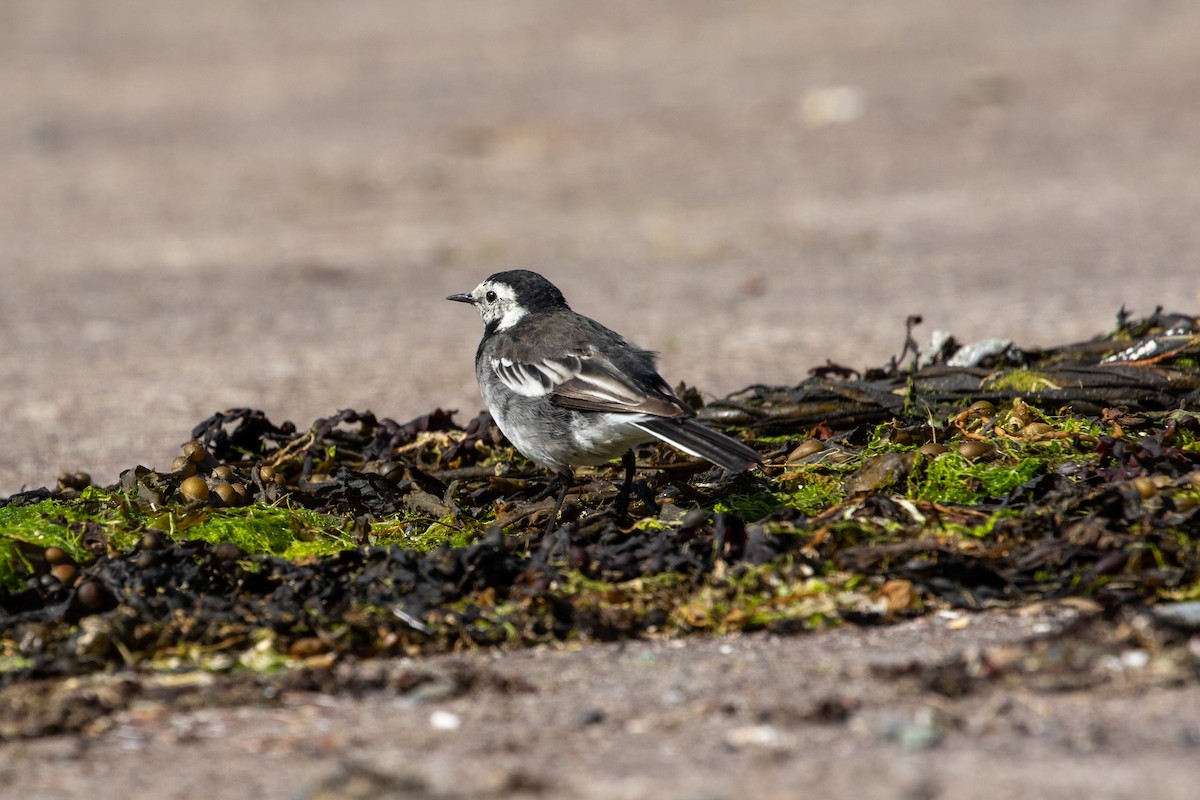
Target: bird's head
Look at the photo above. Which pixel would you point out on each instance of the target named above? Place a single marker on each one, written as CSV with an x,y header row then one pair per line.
x,y
504,298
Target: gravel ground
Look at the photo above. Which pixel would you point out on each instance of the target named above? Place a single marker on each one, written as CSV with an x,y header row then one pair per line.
x,y
251,204
827,715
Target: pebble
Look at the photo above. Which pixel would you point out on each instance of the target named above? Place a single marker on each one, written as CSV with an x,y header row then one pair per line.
x,y
445,720
755,736
1184,615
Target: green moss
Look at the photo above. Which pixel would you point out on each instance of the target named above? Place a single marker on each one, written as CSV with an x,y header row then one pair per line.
x,y
837,556
1083,426
263,530
782,438
1020,380
1182,594
983,530
783,591
952,478
43,523
15,663
50,523
811,492
419,533
1181,437
748,506
258,529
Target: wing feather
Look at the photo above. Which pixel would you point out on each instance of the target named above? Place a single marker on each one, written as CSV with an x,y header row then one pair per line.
x,y
588,382
537,379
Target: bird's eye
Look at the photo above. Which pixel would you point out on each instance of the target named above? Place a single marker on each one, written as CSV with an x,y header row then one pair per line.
x,y
490,297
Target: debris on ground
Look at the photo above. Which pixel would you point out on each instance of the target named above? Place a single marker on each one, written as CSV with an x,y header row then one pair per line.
x,y
957,478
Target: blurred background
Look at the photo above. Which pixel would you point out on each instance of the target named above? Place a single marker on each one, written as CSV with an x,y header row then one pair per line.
x,y
222,204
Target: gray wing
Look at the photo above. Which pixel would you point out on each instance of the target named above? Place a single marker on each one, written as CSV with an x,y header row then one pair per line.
x,y
589,382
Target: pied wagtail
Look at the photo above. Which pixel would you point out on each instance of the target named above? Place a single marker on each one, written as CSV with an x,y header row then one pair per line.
x,y
569,392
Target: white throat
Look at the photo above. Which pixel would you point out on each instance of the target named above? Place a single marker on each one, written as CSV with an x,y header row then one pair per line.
x,y
511,317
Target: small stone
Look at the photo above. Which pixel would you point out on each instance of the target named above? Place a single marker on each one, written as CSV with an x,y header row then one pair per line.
x,y
755,736
1184,616
591,716
696,518
445,720
879,472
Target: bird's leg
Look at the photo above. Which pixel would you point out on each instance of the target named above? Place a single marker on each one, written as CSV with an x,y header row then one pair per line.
x,y
553,485
622,505
566,479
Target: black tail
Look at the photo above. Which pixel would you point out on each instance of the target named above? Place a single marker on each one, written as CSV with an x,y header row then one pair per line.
x,y
697,440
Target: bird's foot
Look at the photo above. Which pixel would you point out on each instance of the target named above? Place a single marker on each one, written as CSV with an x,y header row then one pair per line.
x,y
642,492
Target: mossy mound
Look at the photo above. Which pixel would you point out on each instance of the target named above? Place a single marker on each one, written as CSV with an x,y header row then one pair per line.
x,y
885,496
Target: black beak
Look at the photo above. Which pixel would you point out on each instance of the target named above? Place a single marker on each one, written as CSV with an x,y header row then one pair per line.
x,y
462,298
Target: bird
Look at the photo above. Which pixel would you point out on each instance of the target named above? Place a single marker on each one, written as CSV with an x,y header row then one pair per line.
x,y
568,392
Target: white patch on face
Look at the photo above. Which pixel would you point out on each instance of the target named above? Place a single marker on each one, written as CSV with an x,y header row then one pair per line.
x,y
511,317
497,302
